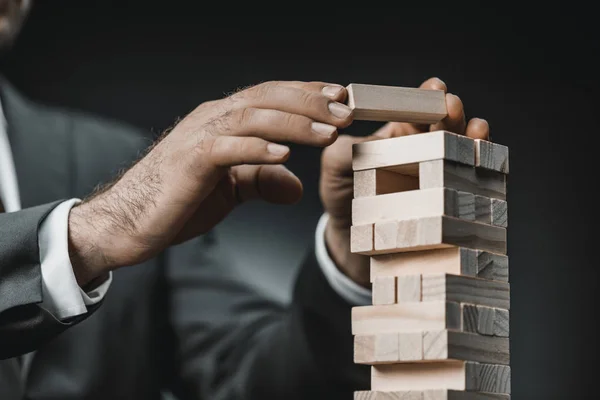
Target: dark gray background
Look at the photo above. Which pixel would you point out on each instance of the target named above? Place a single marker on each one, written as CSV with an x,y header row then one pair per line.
x,y
531,74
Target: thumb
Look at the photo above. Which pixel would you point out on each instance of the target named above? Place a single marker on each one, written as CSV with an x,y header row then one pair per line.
x,y
271,183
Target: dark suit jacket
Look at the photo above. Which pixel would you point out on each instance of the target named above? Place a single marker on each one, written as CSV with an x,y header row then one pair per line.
x,y
180,322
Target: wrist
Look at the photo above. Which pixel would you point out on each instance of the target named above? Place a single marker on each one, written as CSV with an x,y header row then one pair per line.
x,y
337,239
89,252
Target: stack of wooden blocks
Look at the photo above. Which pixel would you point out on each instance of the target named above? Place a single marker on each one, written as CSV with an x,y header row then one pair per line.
x,y
430,210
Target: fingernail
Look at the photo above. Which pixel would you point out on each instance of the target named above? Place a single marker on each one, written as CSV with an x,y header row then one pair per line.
x,y
277,149
441,81
339,110
331,91
323,129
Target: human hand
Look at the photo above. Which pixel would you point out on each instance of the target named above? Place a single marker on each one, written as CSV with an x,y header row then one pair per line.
x,y
336,185
223,153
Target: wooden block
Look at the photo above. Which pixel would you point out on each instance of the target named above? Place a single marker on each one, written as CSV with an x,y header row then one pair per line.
x,y
410,346
452,345
408,288
499,213
465,289
492,266
428,395
501,323
483,209
384,290
411,204
453,375
372,182
434,233
470,319
376,349
491,156
397,151
486,317
405,317
361,238
400,104
445,173
465,205
453,260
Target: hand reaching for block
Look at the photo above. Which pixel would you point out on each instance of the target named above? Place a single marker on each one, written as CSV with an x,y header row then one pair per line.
x,y
336,184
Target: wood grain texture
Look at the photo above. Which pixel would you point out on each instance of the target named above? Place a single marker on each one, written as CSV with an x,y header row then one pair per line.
x,y
361,238
491,156
410,346
392,152
453,345
434,233
492,266
465,205
428,395
400,104
465,289
483,209
374,182
364,348
499,213
408,205
454,375
502,323
376,349
384,290
470,318
486,317
453,175
408,288
405,317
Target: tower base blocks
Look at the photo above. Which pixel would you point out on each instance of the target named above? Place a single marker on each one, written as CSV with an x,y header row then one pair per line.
x,y
430,210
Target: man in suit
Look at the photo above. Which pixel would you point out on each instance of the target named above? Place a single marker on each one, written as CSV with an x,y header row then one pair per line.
x,y
128,292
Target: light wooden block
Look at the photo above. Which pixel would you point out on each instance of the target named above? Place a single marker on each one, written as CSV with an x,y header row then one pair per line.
x,y
502,323
408,288
428,395
452,260
491,156
364,347
483,209
398,151
405,318
486,317
465,205
361,238
372,182
454,375
452,345
492,266
376,349
499,213
410,346
384,290
465,289
445,173
411,204
400,104
434,233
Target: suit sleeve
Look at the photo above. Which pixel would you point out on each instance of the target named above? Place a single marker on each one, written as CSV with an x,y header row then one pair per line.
x,y
24,324
232,343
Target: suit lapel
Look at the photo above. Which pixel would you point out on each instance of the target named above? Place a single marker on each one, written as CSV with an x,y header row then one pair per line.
x,y
40,142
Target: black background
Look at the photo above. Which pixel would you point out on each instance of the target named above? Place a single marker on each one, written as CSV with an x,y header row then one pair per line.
x,y
531,74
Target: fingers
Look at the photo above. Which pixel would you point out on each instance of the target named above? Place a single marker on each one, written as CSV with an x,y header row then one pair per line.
x,y
272,183
295,100
455,120
227,151
280,126
333,91
478,128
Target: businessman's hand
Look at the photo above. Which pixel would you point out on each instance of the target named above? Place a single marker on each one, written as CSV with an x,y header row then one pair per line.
x,y
223,153
336,186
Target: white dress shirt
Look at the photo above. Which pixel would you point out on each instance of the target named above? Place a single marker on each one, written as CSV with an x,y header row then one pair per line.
x,y
63,297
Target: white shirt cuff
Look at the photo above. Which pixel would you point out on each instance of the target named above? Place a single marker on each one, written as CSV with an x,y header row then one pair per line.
x,y
349,290
61,294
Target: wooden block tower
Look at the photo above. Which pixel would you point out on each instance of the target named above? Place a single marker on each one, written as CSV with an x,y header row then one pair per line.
x,y
430,210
